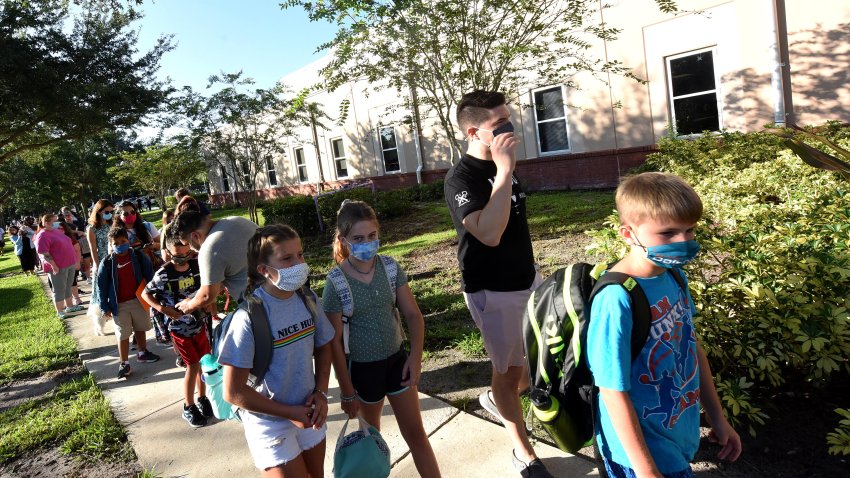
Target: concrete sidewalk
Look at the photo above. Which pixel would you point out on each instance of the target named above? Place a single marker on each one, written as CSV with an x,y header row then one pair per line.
x,y
149,405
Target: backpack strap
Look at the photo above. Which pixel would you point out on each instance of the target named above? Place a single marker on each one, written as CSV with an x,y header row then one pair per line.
x,y
343,292
641,317
391,270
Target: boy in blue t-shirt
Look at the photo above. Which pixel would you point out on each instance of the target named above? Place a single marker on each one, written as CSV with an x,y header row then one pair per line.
x,y
648,417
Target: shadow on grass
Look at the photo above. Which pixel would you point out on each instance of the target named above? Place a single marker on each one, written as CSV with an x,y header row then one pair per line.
x,y
457,376
14,299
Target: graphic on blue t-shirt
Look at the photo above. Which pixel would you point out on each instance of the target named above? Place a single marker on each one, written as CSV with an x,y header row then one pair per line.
x,y
675,381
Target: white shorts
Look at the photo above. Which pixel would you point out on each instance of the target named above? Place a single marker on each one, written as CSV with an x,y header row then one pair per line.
x,y
274,443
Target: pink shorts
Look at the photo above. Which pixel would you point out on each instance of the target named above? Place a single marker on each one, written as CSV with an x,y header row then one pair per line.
x,y
498,316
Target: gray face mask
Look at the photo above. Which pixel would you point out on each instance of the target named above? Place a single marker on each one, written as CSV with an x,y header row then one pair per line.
x,y
502,129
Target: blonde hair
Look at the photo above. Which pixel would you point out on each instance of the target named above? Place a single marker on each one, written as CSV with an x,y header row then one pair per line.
x,y
260,247
349,214
657,196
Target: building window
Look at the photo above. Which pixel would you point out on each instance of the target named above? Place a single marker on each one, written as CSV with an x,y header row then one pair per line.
x,y
389,149
550,116
270,169
225,185
693,92
246,175
301,164
339,158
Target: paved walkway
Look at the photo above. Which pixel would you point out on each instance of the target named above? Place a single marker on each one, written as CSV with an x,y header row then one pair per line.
x,y
149,405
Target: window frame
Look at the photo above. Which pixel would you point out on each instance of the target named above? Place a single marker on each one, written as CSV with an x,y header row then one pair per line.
x,y
564,118
337,159
298,167
271,169
671,99
397,149
225,184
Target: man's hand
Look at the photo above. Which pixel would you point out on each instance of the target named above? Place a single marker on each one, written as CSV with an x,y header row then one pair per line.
x,y
503,150
186,306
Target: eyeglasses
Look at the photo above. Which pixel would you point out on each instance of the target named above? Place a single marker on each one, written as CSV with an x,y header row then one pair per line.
x,y
107,212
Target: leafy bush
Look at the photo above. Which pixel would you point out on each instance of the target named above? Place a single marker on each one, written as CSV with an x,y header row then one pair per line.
x,y
298,211
839,439
171,201
770,286
329,205
389,204
427,192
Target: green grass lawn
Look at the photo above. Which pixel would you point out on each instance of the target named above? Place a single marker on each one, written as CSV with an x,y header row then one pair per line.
x,y
74,415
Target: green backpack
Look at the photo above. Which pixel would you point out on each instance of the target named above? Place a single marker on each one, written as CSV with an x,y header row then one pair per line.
x,y
555,327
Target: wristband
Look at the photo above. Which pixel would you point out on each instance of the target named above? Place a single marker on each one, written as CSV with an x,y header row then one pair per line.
x,y
316,390
349,399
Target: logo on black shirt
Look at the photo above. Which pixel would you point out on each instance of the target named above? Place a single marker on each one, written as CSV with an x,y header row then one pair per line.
x,y
461,198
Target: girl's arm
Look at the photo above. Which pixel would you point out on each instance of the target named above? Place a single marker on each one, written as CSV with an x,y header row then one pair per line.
x,y
93,246
416,326
319,399
622,413
346,387
239,393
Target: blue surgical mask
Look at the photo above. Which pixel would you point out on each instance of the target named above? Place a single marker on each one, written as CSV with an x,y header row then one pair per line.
x,y
673,255
365,251
502,129
121,248
57,224
107,216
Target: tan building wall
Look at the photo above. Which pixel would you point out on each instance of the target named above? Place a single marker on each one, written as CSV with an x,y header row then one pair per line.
x,y
739,36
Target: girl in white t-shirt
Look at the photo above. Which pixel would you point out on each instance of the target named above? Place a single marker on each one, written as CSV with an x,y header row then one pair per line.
x,y
284,416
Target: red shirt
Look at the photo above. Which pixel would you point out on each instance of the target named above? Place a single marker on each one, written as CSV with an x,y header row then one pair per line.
x,y
126,278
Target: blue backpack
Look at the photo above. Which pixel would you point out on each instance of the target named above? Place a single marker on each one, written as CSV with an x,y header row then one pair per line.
x,y
263,350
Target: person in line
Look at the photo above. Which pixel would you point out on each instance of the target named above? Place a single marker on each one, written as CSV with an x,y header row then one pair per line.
x,y
183,193
178,279
97,233
69,231
78,227
23,249
649,408
284,416
378,365
221,246
2,239
167,218
29,229
59,260
496,259
118,278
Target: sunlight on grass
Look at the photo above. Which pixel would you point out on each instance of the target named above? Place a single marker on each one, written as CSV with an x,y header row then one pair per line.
x,y
402,248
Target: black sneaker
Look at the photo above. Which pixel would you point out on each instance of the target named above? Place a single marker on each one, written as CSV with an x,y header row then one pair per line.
x,y
205,406
124,370
146,356
133,343
533,469
192,415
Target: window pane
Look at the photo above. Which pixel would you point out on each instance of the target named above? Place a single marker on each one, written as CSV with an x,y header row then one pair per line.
x,y
269,164
299,157
391,160
302,173
272,178
696,114
337,148
549,104
553,136
692,74
341,169
387,138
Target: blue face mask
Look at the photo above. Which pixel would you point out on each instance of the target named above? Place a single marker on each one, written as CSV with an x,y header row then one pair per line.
x,y
365,251
672,255
57,224
121,248
107,216
502,129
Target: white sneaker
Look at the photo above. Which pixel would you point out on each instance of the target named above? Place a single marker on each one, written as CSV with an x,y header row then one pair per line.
x,y
486,401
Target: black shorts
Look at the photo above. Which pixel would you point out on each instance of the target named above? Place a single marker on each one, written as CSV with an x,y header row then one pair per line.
x,y
86,255
374,380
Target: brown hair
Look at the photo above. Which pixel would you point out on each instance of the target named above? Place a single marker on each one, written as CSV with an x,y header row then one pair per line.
x,y
657,196
44,219
95,218
349,214
116,232
168,213
474,107
260,248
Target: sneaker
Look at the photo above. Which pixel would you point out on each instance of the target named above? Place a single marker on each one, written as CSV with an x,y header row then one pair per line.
x,y
146,356
205,406
62,315
179,362
192,415
486,401
532,469
76,308
124,370
133,343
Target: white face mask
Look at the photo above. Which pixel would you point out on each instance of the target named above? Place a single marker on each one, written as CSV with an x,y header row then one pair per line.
x,y
290,279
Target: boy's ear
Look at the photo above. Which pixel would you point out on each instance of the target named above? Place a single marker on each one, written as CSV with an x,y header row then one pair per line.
x,y
626,233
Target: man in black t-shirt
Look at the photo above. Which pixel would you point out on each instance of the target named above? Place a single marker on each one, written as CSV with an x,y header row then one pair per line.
x,y
495,257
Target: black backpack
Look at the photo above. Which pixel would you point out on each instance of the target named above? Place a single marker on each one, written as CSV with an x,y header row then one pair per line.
x,y
555,327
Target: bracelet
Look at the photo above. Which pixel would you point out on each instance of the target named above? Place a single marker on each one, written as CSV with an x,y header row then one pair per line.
x,y
349,399
316,390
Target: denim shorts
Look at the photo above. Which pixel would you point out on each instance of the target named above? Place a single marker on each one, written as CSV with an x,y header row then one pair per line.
x,y
615,470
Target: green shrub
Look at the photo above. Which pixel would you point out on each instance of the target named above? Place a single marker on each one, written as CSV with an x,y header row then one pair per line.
x,y
329,205
390,204
427,192
170,202
770,286
298,211
839,439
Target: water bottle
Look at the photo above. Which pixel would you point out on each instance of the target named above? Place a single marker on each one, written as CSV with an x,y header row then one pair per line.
x,y
213,375
558,423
